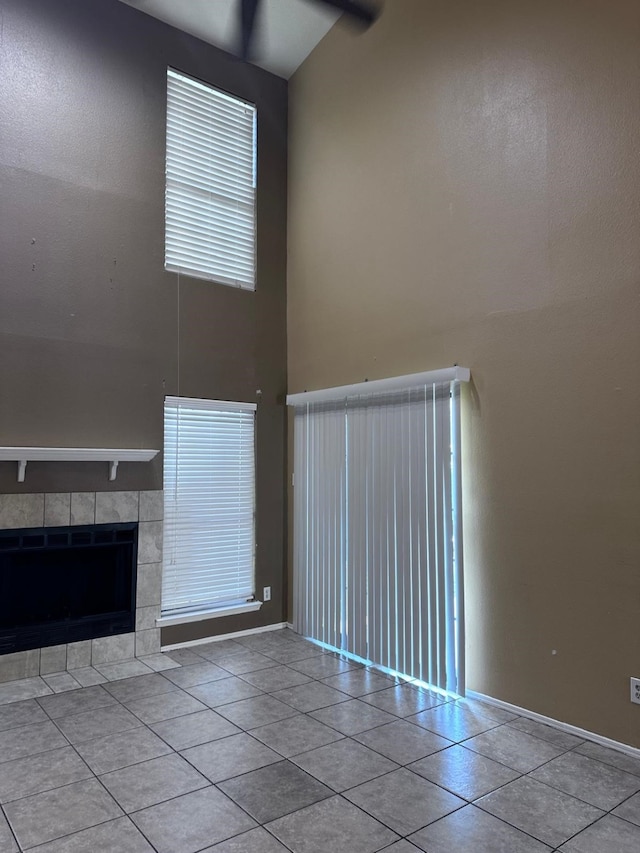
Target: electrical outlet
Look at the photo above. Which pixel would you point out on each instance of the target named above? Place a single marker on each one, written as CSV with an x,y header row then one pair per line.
x,y
266,596
635,690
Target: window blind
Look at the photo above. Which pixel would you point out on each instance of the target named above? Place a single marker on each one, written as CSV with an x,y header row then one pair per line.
x,y
377,530
209,505
210,183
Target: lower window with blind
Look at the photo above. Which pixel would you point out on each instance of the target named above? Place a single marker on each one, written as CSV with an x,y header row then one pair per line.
x,y
209,509
377,525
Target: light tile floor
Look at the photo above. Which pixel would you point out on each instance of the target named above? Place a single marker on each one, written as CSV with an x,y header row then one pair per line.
x,y
267,744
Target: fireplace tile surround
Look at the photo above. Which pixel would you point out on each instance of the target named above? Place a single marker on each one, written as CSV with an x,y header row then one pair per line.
x,y
63,509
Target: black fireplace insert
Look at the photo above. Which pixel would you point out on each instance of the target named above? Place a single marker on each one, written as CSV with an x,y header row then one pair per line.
x,y
64,584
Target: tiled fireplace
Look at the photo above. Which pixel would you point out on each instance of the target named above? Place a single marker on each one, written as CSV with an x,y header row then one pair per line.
x,y
87,508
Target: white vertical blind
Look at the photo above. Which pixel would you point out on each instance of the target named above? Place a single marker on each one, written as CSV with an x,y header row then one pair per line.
x,y
210,183
377,558
209,505
323,547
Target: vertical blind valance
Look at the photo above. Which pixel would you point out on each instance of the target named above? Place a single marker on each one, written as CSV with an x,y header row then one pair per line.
x,y
377,529
210,183
209,499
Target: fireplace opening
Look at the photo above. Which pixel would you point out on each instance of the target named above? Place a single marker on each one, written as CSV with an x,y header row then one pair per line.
x,y
65,584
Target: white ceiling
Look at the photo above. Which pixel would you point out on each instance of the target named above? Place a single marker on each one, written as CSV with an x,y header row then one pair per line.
x,y
287,30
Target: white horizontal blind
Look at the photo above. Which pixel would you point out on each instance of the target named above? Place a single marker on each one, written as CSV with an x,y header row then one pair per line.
x,y
210,183
375,514
209,505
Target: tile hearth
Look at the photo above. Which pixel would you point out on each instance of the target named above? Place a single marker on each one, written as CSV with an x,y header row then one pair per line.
x,y
228,749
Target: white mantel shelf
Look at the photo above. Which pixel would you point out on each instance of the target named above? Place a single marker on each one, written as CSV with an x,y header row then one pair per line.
x,y
22,455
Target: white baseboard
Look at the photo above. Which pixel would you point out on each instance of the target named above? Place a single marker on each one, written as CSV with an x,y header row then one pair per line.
x,y
557,724
609,743
275,627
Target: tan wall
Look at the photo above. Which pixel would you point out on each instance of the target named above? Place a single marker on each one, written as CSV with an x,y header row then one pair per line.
x,y
464,188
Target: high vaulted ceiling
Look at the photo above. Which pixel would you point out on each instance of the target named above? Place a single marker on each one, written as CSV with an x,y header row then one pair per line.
x,y
287,30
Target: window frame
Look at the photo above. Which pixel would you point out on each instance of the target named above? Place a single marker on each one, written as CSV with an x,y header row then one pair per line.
x,y
206,231
170,614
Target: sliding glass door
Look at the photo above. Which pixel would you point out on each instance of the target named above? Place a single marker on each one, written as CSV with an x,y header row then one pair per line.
x,y
377,532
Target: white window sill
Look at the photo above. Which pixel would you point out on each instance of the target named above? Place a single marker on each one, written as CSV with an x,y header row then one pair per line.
x,y
200,616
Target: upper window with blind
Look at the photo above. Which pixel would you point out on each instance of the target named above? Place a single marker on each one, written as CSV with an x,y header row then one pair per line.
x,y
210,210
209,508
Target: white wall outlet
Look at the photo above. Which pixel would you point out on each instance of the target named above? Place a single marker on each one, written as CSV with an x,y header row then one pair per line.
x,y
266,596
635,690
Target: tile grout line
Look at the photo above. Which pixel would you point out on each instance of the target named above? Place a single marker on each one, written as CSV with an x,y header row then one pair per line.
x,y
564,751
467,802
308,715
13,835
